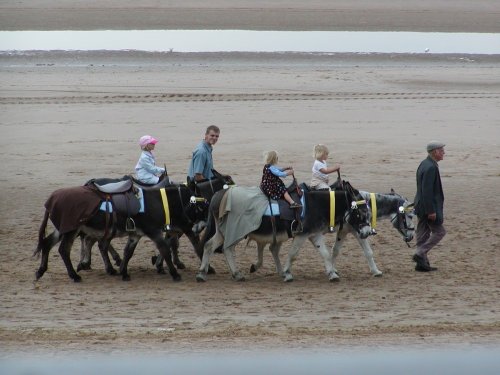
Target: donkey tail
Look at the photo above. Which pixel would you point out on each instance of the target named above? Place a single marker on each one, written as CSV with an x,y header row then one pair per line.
x,y
41,233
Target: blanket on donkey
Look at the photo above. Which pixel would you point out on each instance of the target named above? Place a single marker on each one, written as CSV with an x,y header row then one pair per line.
x,y
71,207
241,213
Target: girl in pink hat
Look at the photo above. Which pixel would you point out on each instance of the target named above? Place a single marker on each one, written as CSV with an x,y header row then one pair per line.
x,y
146,170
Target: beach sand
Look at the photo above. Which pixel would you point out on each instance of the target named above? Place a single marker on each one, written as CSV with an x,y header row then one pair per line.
x,y
70,117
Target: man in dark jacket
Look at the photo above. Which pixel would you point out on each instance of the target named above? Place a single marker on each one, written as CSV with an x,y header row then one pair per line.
x,y
429,201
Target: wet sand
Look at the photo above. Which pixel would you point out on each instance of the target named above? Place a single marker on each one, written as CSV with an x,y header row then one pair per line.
x,y
344,15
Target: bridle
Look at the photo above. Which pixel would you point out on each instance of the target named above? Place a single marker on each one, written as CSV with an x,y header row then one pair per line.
x,y
193,201
353,215
400,222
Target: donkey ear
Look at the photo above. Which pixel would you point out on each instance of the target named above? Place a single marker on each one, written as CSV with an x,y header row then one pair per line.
x,y
392,191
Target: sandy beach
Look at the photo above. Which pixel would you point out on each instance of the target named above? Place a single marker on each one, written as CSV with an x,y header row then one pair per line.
x,y
68,117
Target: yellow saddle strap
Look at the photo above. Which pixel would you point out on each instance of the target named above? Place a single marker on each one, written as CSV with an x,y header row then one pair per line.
x,y
374,209
164,200
332,209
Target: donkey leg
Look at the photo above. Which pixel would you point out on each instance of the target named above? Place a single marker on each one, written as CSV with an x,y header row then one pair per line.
x,y
104,246
174,248
260,258
297,243
47,244
114,254
318,240
64,251
340,236
163,247
367,249
275,252
213,243
86,244
195,241
128,251
157,261
231,262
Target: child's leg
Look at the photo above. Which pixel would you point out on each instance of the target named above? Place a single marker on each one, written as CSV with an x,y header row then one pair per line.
x,y
288,198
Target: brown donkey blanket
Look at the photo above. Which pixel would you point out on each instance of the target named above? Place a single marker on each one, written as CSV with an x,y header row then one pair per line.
x,y
71,207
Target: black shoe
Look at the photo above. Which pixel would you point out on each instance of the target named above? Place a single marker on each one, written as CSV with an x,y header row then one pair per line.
x,y
295,205
421,263
426,269
421,269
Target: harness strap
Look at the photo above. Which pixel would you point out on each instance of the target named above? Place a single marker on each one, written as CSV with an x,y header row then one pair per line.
x,y
166,210
332,210
374,210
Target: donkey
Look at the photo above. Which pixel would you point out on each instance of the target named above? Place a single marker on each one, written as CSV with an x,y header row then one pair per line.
x,y
393,206
319,214
173,208
204,189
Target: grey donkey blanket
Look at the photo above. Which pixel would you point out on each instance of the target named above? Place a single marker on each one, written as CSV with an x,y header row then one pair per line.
x,y
241,212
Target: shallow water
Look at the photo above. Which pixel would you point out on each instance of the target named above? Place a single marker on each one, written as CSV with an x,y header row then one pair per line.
x,y
432,361
252,41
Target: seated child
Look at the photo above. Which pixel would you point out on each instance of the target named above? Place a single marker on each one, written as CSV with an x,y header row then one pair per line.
x,y
320,169
146,169
272,185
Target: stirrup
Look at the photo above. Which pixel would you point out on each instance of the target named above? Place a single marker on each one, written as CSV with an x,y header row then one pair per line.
x,y
298,227
130,225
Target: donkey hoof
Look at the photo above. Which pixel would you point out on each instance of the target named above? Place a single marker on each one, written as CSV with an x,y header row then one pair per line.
x,y
211,270
201,277
238,277
333,277
77,278
126,277
161,270
176,277
83,266
377,274
111,271
253,268
288,278
180,266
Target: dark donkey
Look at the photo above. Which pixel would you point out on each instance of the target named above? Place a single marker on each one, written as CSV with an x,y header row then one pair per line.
x,y
172,208
319,215
204,189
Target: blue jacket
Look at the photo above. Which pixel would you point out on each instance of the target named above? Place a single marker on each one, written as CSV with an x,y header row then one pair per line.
x,y
146,169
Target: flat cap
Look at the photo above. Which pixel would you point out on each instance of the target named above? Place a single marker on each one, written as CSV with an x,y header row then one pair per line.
x,y
432,145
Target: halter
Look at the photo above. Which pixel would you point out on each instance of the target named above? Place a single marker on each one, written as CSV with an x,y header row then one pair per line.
x,y
354,208
166,209
402,226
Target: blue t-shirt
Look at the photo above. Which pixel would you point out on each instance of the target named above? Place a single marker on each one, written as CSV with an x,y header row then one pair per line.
x,y
201,161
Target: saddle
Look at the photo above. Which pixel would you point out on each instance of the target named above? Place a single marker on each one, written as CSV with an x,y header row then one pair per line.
x,y
122,195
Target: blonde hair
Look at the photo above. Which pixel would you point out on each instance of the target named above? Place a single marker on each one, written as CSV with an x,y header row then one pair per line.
x,y
270,157
320,150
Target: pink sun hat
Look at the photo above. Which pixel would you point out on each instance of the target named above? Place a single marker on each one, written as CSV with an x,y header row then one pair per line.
x,y
146,140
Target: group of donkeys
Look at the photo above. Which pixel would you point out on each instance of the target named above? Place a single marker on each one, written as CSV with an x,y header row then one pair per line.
x,y
169,211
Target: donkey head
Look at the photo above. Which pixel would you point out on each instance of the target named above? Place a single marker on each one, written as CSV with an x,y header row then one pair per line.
x,y
358,216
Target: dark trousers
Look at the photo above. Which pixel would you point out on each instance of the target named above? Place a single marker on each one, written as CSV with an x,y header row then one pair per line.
x,y
428,235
